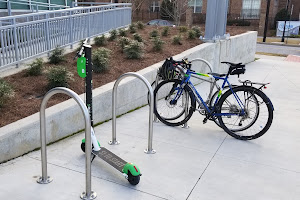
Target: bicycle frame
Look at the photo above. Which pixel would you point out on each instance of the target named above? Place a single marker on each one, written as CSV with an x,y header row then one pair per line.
x,y
210,111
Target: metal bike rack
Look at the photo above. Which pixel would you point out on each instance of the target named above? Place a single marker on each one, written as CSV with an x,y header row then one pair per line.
x,y
149,150
45,179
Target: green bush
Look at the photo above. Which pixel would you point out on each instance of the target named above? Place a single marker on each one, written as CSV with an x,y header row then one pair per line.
x,y
238,22
177,40
100,60
100,41
294,36
134,50
123,41
197,30
56,55
113,35
6,92
140,25
137,37
165,31
132,28
122,32
157,44
192,34
36,67
58,77
183,29
153,33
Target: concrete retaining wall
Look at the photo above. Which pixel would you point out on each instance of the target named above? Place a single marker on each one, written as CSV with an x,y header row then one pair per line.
x,y
66,118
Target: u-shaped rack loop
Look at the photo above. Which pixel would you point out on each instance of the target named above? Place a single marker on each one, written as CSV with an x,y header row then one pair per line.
x,y
149,150
44,179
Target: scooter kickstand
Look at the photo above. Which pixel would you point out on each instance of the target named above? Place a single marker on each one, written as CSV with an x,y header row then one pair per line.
x,y
94,156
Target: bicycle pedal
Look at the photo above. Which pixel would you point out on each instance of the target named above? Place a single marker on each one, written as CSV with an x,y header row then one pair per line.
x,y
204,120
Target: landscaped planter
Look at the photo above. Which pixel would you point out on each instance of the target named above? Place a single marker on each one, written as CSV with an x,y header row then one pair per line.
x,y
66,118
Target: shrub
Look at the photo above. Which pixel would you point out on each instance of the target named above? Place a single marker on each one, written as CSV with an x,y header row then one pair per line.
x,y
6,92
153,33
56,55
177,40
238,22
165,31
100,59
183,29
137,37
134,50
132,28
197,30
294,36
140,25
36,67
123,41
192,34
113,35
157,44
100,41
122,32
58,77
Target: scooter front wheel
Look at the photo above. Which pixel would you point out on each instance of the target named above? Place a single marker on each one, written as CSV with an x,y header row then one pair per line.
x,y
133,180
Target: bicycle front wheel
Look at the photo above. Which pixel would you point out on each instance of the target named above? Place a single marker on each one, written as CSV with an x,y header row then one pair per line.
x,y
173,105
256,118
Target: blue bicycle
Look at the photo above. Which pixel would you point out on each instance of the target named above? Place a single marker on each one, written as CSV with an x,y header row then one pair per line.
x,y
244,112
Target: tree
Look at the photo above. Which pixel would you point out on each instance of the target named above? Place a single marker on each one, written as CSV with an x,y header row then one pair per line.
x,y
174,9
282,15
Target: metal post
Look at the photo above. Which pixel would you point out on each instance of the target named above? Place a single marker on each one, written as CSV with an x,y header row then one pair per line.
x,y
16,42
287,8
48,34
149,150
44,179
266,20
8,8
216,19
71,30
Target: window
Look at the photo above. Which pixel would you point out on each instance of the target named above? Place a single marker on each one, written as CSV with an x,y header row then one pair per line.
x,y
251,9
196,5
154,6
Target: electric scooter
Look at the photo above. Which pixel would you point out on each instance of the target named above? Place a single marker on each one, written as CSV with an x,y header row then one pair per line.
x,y
84,68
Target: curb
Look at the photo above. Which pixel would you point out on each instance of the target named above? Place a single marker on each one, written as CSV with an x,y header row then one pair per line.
x,y
288,45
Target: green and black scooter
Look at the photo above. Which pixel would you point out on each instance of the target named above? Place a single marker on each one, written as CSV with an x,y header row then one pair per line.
x,y
84,68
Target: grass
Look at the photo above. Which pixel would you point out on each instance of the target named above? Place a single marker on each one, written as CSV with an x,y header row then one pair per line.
x,y
271,54
291,41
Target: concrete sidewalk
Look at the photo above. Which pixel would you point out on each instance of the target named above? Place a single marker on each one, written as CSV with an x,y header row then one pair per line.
x,y
201,162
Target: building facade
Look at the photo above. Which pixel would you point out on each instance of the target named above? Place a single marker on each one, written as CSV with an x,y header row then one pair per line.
x,y
251,10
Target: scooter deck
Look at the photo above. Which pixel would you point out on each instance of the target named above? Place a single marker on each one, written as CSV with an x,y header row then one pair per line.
x,y
111,158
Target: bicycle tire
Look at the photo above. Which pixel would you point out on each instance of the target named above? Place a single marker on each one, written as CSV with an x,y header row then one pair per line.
x,y
256,97
162,98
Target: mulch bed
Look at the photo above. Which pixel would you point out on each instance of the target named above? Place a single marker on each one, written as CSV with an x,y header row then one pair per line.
x,y
29,90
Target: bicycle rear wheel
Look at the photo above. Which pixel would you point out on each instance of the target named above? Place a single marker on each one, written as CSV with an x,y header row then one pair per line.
x,y
257,117
171,101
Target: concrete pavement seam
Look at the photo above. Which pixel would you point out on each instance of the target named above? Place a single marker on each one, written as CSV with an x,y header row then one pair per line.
x,y
49,163
266,165
206,168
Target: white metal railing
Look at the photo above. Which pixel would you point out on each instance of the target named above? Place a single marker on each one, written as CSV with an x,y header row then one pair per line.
x,y
33,5
33,34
